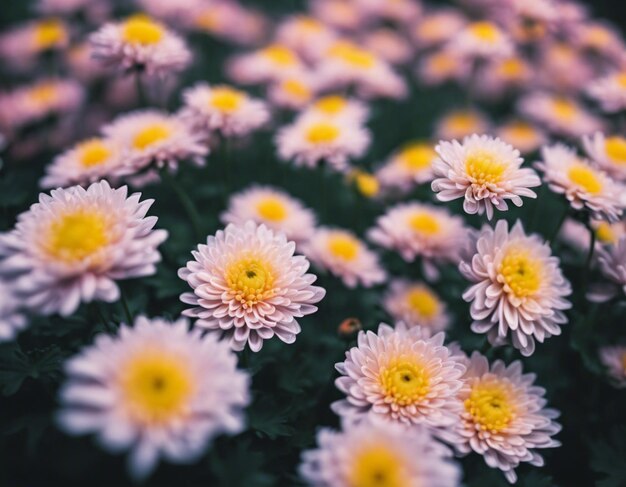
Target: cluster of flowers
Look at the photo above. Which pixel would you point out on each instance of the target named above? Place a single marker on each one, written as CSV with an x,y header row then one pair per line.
x,y
411,401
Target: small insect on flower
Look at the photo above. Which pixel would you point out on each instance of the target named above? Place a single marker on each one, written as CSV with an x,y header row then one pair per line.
x,y
349,326
156,389
614,359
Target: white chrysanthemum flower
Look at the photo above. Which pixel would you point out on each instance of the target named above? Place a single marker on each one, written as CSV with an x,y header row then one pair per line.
x,y
275,208
155,389
87,162
223,109
415,304
483,40
612,263
518,289
504,417
152,137
522,135
486,172
407,167
398,376
337,107
248,285
310,140
12,319
583,184
609,152
614,359
141,43
270,63
371,455
73,245
461,123
609,91
343,254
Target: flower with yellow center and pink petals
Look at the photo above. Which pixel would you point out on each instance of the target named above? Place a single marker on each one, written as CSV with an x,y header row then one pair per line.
x,y
614,359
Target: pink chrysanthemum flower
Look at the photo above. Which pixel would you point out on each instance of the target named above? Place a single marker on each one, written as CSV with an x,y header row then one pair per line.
x,y
305,34
609,152
12,318
524,136
223,109
461,123
344,255
612,263
398,376
338,14
486,172
368,454
483,39
504,415
518,290
614,359
434,28
441,66
563,69
294,91
415,304
73,245
21,45
408,167
503,75
270,63
391,46
600,38
577,235
313,139
143,44
274,208
337,107
155,389
583,184
248,285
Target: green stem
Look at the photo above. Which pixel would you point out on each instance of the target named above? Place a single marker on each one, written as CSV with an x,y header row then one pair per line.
x,y
592,246
142,98
129,315
555,232
185,201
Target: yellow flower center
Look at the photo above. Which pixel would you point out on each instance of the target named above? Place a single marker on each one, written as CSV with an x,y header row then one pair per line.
x,y
226,99
404,381
151,135
485,31
322,133
377,466
43,94
271,208
157,386
251,279
331,105
345,247
75,236
483,168
462,122
309,25
564,109
417,157
521,272
585,177
353,55
490,404
615,147
621,79
424,223
280,55
140,29
423,302
442,63
367,184
49,33
605,233
93,152
520,131
511,68
297,89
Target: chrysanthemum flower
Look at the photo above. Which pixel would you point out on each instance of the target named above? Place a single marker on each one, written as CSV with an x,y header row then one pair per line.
x,y
612,263
21,45
610,92
482,39
155,389
502,75
222,109
73,245
344,255
391,46
524,136
409,166
143,44
338,14
563,69
305,34
504,417
518,290
402,11
434,28
293,91
312,139
338,107
273,207
614,359
461,123
248,285
371,455
364,182
601,39
576,233
270,63
609,152
12,318
583,184
152,137
415,304
441,66
483,170
398,376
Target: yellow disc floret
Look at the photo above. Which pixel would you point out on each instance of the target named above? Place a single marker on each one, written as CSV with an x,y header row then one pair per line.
x,y
615,147
424,223
404,381
343,246
585,178
250,279
272,208
491,405
521,272
150,135
93,152
331,104
75,236
377,466
417,156
322,133
49,34
226,99
140,29
423,302
483,168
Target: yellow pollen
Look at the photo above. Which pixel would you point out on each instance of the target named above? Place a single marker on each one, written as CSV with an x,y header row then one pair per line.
x,y
511,68
151,135
93,152
367,184
322,133
615,147
331,105
404,381
605,233
377,466
251,280
417,156
485,31
520,272
483,168
75,236
491,406
424,223
272,208
157,387
297,89
564,109
343,246
353,55
44,93
49,33
140,29
423,302
280,55
226,99
585,178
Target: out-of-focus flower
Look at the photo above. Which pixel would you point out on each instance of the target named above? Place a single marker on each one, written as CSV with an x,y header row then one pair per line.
x,y
583,184
614,359
398,376
275,208
599,38
502,75
481,40
441,66
609,152
612,263
486,172
415,304
142,44
504,417
223,109
338,107
82,65
528,20
175,13
563,69
92,9
12,318
270,63
21,45
523,135
227,20
364,454
365,183
294,91
344,255
311,140
434,28
73,245
408,166
389,45
248,286
402,11
155,389
610,91
304,34
518,290
338,13
577,235
461,123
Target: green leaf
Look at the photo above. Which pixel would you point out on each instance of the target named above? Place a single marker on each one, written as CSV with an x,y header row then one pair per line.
x,y
607,458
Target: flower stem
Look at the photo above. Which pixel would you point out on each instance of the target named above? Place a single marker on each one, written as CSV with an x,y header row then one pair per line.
x,y
592,246
142,98
129,315
185,201
555,232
